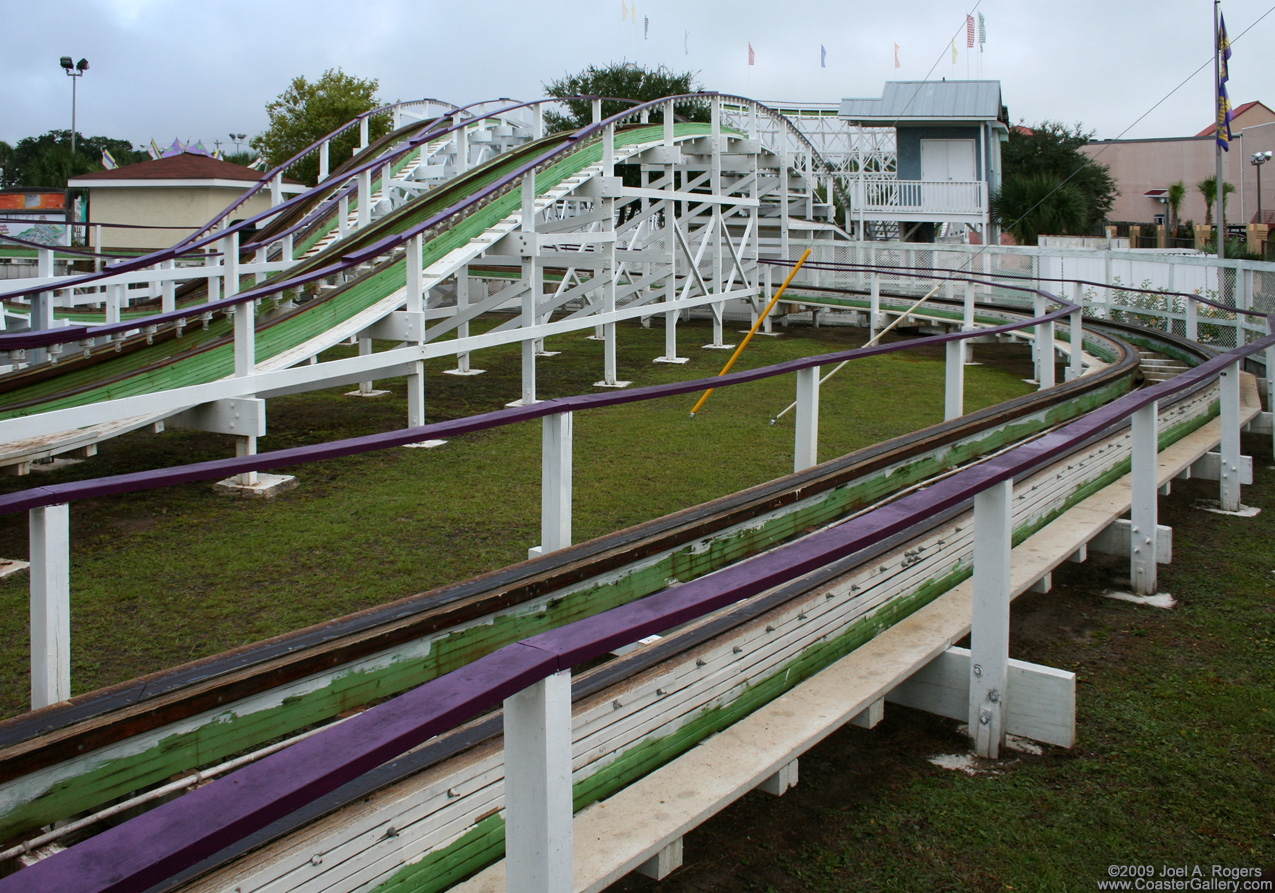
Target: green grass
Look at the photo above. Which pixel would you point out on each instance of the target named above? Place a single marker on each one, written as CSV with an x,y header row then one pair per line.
x,y
1175,762
168,576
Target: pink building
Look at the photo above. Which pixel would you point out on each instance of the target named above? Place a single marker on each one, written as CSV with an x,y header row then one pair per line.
x,y
1145,168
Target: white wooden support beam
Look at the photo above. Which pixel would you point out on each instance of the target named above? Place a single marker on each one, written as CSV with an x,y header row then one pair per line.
x,y
416,395
366,388
286,251
533,283
343,217
1145,500
538,125
230,265
243,416
276,190
50,605
115,297
365,196
1039,703
555,482
1077,334
874,305
1192,319
245,338
168,288
806,446
1209,468
462,329
596,108
1043,585
779,783
967,307
325,159
399,325
1229,385
538,815
663,863
415,286
989,625
1116,538
954,381
870,716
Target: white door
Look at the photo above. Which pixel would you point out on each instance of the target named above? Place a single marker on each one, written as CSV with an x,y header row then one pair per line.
x,y
943,160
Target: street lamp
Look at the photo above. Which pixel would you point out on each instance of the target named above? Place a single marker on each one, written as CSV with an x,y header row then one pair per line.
x,y
74,71
237,137
1259,159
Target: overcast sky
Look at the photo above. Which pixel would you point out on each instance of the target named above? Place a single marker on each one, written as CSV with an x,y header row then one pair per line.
x,y
200,70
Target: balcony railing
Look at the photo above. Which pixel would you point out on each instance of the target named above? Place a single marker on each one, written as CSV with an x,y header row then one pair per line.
x,y
918,198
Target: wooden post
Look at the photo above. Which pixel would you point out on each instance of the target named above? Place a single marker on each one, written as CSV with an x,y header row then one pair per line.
x,y
806,447
50,605
1145,496
954,381
989,625
555,482
1229,385
538,816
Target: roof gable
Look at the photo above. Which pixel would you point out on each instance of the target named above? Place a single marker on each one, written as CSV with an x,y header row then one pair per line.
x,y
186,166
1235,113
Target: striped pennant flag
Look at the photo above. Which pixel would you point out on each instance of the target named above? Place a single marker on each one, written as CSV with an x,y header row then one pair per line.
x,y
823,56
982,32
752,56
969,32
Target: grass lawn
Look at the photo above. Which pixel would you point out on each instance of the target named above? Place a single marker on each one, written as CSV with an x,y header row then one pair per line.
x,y
167,576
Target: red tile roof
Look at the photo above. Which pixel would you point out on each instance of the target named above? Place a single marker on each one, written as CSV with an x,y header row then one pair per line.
x,y
1235,113
186,166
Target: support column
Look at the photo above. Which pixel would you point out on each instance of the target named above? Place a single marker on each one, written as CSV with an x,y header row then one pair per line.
x,y
1145,501
989,626
325,163
1077,367
874,305
555,482
462,329
538,816
533,279
1229,385
670,236
168,288
343,217
50,605
806,448
365,197
954,381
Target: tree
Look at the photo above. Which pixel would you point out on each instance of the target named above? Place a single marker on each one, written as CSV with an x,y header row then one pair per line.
x,y
1208,188
46,161
306,112
1175,195
1030,206
621,80
1054,149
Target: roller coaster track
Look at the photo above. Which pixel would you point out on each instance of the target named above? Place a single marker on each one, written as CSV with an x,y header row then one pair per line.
x,y
750,595
331,294
74,758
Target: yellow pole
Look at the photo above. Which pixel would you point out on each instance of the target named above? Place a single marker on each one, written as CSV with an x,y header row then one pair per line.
x,y
751,332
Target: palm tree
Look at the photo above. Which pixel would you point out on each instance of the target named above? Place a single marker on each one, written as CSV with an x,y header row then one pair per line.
x,y
1039,204
1176,194
1208,188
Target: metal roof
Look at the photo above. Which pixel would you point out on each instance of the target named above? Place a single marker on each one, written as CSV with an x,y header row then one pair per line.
x,y
928,101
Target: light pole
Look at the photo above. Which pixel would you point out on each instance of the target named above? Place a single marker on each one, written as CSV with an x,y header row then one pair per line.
x,y
1259,159
74,72
237,137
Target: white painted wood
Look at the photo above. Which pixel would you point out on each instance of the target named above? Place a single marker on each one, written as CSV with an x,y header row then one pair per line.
x,y
1077,334
364,198
663,863
555,483
954,381
50,605
1040,702
538,823
1209,468
1145,508
1229,385
244,416
989,630
778,784
806,429
871,715
1043,585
